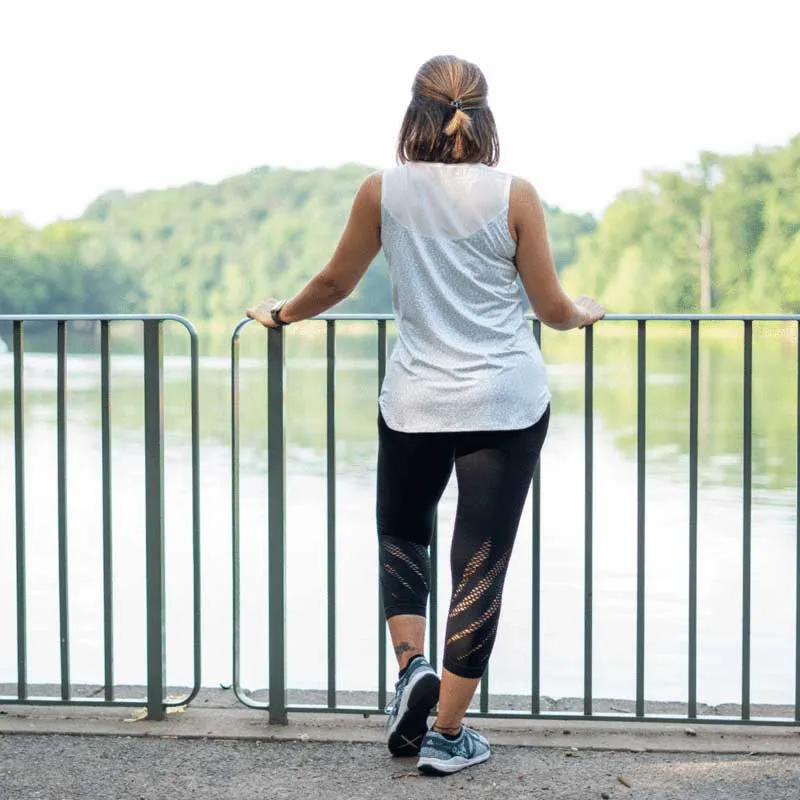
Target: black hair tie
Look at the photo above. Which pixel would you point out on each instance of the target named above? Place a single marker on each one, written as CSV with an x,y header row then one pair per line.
x,y
457,104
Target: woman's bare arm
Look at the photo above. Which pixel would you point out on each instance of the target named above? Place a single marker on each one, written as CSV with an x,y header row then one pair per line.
x,y
550,302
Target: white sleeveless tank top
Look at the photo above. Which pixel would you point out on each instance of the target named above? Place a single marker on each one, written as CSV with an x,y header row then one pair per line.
x,y
465,358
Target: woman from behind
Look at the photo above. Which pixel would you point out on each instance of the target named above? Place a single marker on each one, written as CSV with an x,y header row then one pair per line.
x,y
465,387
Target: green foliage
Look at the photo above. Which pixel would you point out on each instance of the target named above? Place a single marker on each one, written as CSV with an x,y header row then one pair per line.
x,y
208,251
565,230
204,251
59,269
645,255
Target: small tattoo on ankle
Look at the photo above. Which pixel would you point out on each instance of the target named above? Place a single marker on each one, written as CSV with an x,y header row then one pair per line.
x,y
403,647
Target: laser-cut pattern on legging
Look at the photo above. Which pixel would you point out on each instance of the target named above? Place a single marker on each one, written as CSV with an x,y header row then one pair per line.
x,y
477,592
400,578
405,571
488,638
398,553
478,623
473,565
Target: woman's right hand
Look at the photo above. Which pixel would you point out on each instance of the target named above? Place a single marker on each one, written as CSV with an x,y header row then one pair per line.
x,y
592,310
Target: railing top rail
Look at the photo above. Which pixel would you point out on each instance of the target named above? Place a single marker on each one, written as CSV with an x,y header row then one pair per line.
x,y
701,318
89,317
390,317
607,318
101,318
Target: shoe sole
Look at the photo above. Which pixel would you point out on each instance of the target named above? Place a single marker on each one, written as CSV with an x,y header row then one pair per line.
x,y
433,766
412,718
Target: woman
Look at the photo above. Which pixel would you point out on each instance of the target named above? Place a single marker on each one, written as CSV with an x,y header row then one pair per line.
x,y
465,386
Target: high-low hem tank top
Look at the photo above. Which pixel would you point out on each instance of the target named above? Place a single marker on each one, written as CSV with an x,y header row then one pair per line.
x,y
465,358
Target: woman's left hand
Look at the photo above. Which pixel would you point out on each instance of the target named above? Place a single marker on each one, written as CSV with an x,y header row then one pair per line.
x,y
262,312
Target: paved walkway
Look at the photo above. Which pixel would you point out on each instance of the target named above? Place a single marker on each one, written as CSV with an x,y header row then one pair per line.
x,y
218,753
107,768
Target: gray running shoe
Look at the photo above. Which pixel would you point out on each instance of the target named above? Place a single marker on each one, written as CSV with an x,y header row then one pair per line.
x,y
442,756
416,693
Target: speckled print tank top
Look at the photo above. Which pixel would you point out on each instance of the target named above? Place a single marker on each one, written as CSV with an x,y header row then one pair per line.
x,y
465,358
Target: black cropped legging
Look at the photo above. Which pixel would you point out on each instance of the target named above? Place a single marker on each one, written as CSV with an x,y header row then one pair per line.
x,y
494,471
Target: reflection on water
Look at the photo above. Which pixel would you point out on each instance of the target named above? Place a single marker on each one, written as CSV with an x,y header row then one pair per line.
x,y
615,495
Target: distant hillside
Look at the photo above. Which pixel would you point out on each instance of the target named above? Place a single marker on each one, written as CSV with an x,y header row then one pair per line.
x,y
724,234
209,251
206,251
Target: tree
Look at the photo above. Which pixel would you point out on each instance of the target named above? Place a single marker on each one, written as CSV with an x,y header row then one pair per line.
x,y
721,235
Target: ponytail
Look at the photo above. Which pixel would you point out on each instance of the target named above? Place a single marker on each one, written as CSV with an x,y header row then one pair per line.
x,y
459,123
459,127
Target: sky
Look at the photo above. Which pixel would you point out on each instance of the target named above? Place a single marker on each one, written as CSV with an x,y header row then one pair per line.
x,y
111,94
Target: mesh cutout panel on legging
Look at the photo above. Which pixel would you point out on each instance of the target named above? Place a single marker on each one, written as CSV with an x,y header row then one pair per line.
x,y
405,575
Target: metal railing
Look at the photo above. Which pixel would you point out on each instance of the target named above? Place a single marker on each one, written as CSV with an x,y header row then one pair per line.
x,y
277,704
155,701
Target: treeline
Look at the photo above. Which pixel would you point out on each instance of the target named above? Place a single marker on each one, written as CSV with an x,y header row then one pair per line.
x,y
203,251
62,268
723,235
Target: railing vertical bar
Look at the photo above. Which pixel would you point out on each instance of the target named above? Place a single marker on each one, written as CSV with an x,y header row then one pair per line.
x,y
588,608
235,515
641,422
694,368
536,572
797,541
154,516
276,472
747,478
381,615
108,553
484,701
433,621
19,491
61,462
330,406
196,529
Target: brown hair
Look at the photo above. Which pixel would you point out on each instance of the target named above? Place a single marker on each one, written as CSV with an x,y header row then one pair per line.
x,y
448,119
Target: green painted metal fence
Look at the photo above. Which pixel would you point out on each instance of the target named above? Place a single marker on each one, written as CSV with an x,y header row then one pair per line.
x,y
155,700
153,325
276,498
